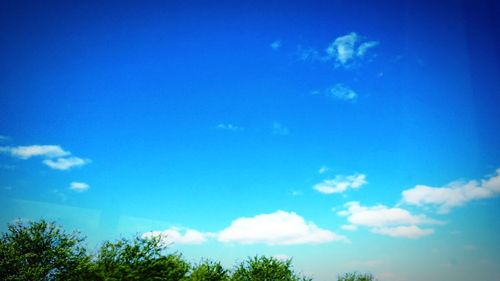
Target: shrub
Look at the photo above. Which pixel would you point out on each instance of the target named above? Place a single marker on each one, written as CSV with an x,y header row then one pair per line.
x,y
262,268
356,277
209,271
42,251
139,259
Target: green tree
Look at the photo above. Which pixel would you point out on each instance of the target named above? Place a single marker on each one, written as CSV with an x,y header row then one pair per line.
x,y
139,259
262,268
209,271
354,276
42,251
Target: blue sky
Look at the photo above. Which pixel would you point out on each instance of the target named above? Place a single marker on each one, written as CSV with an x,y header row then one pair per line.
x,y
348,135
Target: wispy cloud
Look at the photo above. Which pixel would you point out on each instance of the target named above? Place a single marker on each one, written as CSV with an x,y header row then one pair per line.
x,y
323,170
406,231
279,129
278,228
229,127
308,54
454,194
341,92
65,163
175,235
79,186
347,49
338,91
26,152
4,138
341,183
282,257
364,47
275,45
380,219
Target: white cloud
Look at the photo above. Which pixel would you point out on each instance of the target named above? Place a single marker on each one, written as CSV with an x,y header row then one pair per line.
x,y
26,152
282,257
380,215
79,186
454,194
279,129
343,48
174,235
341,184
396,222
348,48
278,228
276,45
341,92
364,47
349,227
229,127
65,163
406,231
323,170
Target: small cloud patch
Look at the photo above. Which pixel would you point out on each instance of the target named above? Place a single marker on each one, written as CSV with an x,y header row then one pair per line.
x,y
63,159
26,152
348,49
79,186
65,163
229,127
279,129
276,45
341,184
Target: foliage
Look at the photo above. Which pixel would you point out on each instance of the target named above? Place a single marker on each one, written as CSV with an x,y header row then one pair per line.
x,y
356,277
139,259
261,268
41,251
209,271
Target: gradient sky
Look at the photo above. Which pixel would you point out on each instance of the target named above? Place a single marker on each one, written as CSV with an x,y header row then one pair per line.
x,y
347,135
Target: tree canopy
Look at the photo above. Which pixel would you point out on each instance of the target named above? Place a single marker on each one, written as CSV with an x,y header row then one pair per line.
x,y
43,251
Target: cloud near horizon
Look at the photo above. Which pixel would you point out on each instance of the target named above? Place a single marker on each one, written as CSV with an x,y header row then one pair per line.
x,y
380,219
174,235
278,228
454,194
